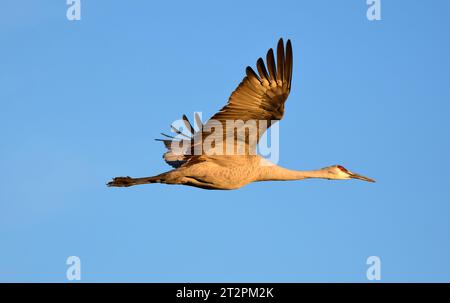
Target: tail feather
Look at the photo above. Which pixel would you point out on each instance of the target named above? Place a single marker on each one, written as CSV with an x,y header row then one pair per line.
x,y
180,141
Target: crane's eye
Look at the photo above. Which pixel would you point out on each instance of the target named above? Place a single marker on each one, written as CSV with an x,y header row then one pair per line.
x,y
342,168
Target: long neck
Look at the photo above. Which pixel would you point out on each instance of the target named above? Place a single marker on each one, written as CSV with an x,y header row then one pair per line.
x,y
278,173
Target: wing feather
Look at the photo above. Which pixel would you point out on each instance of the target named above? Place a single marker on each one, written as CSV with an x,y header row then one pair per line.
x,y
280,61
271,65
259,96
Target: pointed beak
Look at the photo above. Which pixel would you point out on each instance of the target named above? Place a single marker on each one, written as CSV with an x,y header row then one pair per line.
x,y
360,177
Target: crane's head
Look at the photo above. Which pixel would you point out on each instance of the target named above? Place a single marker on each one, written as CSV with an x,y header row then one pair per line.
x,y
338,172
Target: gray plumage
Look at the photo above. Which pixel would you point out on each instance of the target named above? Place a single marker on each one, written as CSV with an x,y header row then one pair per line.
x,y
259,97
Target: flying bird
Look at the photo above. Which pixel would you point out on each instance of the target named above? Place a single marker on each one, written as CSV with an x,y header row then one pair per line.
x,y
259,97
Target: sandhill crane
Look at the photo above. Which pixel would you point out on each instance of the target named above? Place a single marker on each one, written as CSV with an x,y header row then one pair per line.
x,y
258,97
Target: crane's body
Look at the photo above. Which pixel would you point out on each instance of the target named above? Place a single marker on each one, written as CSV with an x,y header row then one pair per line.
x,y
213,172
233,172
258,97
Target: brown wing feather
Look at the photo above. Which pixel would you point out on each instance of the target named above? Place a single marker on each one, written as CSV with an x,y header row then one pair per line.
x,y
257,97
262,97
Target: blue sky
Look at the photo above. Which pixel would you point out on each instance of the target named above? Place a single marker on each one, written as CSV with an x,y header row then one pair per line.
x,y
82,101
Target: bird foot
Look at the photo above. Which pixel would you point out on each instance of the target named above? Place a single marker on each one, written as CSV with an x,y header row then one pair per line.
x,y
121,182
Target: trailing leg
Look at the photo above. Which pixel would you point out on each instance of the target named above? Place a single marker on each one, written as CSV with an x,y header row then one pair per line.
x,y
128,181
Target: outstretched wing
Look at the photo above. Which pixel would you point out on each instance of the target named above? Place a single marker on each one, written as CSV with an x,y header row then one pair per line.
x,y
258,100
262,97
